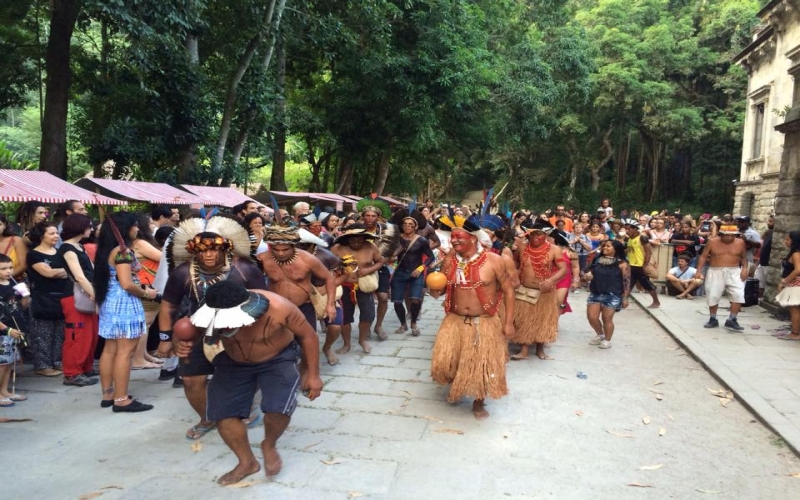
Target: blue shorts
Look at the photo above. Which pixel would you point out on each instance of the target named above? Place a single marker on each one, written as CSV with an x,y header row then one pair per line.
x,y
366,306
611,300
402,281
231,389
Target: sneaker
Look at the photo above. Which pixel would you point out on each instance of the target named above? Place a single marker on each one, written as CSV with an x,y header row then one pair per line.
x,y
732,324
167,374
712,323
596,340
134,407
92,373
80,380
178,383
605,344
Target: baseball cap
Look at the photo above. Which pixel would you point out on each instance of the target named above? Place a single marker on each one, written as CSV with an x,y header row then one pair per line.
x,y
743,218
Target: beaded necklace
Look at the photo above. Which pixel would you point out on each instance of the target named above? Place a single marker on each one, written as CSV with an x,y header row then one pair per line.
x,y
535,257
284,262
198,281
466,275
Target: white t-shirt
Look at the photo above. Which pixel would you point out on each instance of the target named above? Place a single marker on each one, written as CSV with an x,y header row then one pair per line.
x,y
608,210
687,275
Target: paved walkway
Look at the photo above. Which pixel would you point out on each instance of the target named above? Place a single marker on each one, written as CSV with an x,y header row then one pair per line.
x,y
761,370
642,425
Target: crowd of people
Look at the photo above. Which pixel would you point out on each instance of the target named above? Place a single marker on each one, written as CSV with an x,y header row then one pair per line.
x,y
241,295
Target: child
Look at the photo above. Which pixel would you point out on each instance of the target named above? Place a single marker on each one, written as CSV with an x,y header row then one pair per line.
x,y
14,298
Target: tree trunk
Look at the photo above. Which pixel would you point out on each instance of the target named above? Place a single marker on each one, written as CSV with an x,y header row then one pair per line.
x,y
53,153
229,109
326,169
187,156
383,170
656,171
277,180
345,183
609,148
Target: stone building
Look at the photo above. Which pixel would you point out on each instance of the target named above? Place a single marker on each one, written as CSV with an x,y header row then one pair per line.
x,y
769,182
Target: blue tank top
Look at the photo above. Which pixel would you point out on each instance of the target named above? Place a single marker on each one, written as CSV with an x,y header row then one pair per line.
x,y
606,278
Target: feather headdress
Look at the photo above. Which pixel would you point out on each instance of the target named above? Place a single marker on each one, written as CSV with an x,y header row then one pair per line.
x,y
309,238
374,204
176,247
450,221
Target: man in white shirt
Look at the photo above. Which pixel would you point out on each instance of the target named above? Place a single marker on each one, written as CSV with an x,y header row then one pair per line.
x,y
752,239
681,278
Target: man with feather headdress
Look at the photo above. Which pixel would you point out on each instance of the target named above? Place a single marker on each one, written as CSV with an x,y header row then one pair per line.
x,y
471,345
387,238
200,253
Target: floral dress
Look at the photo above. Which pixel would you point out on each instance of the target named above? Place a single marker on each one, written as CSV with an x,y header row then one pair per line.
x,y
122,314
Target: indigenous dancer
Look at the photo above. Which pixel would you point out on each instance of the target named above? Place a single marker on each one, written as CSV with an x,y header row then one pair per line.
x,y
260,332
354,245
541,266
409,275
571,279
471,346
386,236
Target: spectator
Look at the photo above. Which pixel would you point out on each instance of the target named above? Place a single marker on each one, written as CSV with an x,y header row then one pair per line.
x,y
686,242
605,205
560,216
639,254
580,244
763,256
12,246
161,215
789,296
751,238
681,278
148,254
12,326
254,224
300,209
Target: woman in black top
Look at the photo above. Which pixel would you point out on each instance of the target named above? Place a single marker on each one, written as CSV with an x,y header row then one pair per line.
x,y
80,336
49,284
789,287
610,286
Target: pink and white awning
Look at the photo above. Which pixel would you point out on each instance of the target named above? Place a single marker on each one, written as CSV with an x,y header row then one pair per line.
x,y
35,185
150,192
218,196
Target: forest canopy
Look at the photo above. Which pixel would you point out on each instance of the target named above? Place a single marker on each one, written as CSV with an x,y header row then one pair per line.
x,y
563,100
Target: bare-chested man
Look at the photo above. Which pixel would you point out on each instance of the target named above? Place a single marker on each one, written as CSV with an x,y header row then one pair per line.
x,y
259,331
353,244
472,343
289,271
541,266
728,267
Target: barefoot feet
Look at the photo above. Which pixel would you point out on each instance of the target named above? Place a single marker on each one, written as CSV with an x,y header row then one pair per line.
x,y
272,461
540,352
479,410
365,345
522,354
344,349
332,359
239,472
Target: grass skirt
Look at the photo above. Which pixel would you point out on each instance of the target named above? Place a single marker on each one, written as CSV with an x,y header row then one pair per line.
x,y
789,296
471,357
536,323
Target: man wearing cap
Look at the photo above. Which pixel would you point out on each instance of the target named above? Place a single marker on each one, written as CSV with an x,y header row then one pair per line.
x,y
355,245
536,309
752,240
727,271
205,252
471,344
260,332
639,254
289,271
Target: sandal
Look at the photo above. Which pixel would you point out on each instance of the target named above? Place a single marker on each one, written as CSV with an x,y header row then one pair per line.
x,y
18,397
415,331
198,431
6,403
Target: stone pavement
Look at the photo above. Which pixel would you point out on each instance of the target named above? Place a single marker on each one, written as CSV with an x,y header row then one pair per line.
x,y
761,370
383,430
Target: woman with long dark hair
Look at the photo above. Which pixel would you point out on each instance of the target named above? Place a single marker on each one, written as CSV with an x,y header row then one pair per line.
x,y
609,287
13,246
789,296
80,334
122,320
148,254
49,284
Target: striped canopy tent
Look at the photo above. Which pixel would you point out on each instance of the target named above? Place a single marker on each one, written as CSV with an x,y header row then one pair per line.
x,y
287,198
218,196
149,192
35,185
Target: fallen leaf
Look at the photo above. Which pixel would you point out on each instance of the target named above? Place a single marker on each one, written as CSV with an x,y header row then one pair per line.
x,y
354,494
670,417
559,376
724,402
505,436
713,492
721,393
407,393
405,403
579,413
651,467
662,431
196,446
89,496
796,474
681,354
640,485
646,420
333,461
658,383
620,434
434,419
309,446
659,396
4,420
450,431
112,487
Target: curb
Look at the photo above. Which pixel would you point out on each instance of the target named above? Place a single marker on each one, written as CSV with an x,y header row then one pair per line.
x,y
749,398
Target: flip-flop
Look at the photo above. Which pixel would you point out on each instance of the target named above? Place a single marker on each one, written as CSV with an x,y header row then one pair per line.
x,y
152,366
517,357
198,431
786,337
18,397
6,403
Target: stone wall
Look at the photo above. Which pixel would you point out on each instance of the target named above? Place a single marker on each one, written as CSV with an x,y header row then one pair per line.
x,y
764,192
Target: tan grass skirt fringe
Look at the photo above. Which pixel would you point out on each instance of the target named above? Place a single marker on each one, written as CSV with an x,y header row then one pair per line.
x,y
536,323
472,357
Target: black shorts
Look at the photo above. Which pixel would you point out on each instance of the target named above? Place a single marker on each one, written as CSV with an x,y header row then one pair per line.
x,y
195,363
384,280
311,315
638,276
366,306
231,390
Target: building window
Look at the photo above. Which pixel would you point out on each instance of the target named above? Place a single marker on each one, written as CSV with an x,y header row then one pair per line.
x,y
758,131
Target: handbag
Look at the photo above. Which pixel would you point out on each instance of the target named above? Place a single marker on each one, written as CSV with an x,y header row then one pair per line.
x,y
83,303
651,269
320,300
368,283
529,295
